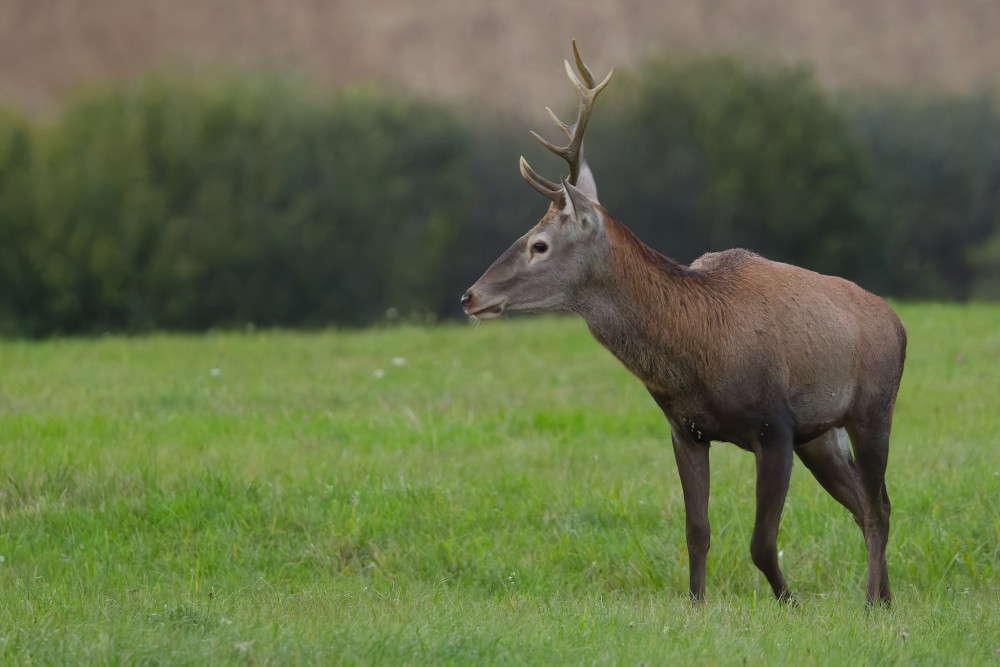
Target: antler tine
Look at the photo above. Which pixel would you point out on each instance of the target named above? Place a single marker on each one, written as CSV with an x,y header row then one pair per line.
x,y
543,185
562,126
552,147
528,171
582,66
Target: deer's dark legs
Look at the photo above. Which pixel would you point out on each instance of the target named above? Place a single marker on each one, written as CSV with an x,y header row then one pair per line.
x,y
828,458
871,451
692,464
774,470
860,487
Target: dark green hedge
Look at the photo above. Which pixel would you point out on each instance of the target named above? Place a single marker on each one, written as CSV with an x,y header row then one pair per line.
x,y
249,198
188,204
935,163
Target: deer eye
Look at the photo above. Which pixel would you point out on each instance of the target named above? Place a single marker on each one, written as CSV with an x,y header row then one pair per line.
x,y
540,247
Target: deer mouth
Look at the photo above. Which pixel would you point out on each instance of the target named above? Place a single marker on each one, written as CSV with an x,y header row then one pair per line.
x,y
486,310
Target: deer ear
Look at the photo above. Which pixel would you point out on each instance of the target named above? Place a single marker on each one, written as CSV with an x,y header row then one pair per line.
x,y
585,182
581,209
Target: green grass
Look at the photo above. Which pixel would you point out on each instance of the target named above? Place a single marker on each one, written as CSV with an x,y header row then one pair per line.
x,y
502,493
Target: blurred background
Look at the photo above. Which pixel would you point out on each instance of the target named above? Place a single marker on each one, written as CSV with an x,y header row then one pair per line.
x,y
219,163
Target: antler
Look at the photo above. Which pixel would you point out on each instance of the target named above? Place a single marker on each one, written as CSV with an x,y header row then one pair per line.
x,y
573,151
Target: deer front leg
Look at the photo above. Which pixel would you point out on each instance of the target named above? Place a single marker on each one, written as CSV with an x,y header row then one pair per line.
x,y
692,464
774,470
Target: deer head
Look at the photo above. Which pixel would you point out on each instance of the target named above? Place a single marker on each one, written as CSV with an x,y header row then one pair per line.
x,y
546,268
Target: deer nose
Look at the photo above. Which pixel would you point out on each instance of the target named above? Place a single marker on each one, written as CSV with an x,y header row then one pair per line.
x,y
466,300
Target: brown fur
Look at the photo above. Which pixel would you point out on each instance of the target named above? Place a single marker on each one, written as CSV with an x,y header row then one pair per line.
x,y
736,322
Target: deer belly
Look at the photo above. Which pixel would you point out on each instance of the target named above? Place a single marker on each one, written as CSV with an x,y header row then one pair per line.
x,y
820,407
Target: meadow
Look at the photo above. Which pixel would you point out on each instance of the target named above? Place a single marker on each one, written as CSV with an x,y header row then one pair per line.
x,y
501,493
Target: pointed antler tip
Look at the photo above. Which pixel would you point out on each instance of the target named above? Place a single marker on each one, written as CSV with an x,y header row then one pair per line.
x,y
561,125
525,170
548,144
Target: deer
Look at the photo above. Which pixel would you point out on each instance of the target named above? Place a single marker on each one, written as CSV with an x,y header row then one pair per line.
x,y
776,359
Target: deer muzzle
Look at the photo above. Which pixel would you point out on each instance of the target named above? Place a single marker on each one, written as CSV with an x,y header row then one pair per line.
x,y
474,306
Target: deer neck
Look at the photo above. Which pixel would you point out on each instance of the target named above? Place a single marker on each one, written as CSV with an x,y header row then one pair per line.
x,y
647,310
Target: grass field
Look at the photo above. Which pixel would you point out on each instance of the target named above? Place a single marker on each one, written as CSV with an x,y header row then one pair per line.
x,y
467,494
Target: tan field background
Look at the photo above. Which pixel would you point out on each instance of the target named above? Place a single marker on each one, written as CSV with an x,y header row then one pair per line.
x,y
501,54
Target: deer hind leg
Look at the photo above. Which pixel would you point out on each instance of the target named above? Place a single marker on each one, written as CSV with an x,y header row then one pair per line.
x,y
774,470
829,459
692,464
871,452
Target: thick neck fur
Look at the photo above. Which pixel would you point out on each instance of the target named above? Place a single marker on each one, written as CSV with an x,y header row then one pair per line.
x,y
652,313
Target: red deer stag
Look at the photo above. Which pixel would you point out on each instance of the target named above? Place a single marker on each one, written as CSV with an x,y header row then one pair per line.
x,y
735,348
